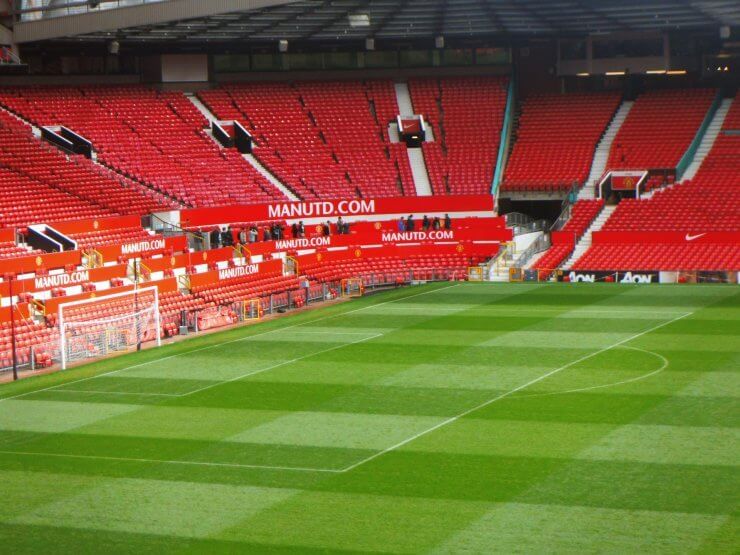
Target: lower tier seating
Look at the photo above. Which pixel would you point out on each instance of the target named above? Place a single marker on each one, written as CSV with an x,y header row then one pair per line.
x,y
387,270
658,257
110,237
582,214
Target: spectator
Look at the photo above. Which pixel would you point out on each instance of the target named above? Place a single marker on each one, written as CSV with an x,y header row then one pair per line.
x,y
215,238
448,222
425,223
410,223
326,229
294,230
340,225
436,224
243,236
253,234
266,235
301,229
227,239
401,225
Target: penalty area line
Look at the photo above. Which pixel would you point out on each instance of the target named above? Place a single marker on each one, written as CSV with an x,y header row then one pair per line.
x,y
174,462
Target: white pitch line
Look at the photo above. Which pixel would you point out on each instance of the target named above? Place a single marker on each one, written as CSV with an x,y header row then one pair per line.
x,y
291,361
93,391
507,394
160,461
613,384
227,342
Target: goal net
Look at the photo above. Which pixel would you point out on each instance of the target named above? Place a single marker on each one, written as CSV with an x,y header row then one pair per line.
x,y
352,287
95,327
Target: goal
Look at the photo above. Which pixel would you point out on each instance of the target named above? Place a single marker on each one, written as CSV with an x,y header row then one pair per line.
x,y
352,287
95,327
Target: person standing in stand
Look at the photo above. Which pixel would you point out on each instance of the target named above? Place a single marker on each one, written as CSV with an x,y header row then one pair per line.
x,y
448,222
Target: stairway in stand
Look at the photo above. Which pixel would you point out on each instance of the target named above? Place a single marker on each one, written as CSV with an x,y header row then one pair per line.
x,y
707,141
601,155
584,242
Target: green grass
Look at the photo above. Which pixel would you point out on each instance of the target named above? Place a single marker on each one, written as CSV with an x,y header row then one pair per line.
x,y
447,418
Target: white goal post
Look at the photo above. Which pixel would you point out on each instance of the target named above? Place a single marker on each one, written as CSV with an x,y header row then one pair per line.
x,y
95,327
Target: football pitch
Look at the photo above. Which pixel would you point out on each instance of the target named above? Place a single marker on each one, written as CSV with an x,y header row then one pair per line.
x,y
444,418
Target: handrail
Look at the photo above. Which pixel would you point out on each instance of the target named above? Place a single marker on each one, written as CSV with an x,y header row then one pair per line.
x,y
690,153
531,227
184,281
539,245
147,274
295,264
517,218
195,240
503,147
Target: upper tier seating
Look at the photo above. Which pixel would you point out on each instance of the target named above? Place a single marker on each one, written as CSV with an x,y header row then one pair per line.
x,y
323,140
659,129
709,202
466,115
557,138
42,184
24,200
156,138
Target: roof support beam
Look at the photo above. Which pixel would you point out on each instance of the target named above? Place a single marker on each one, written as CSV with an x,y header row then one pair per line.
x,y
131,16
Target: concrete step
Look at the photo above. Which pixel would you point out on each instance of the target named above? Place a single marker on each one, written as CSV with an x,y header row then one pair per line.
x,y
257,165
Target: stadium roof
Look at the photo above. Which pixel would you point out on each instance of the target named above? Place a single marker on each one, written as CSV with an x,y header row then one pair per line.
x,y
316,20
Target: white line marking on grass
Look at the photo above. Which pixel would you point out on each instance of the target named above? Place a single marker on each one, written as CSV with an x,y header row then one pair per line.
x,y
228,342
190,463
291,361
614,384
65,390
507,394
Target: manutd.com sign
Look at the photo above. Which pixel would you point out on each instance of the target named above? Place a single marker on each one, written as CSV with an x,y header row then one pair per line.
x,y
320,209
409,236
302,243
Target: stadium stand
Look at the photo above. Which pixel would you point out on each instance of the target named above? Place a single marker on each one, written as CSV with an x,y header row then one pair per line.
x,y
156,138
582,214
392,269
247,287
659,129
556,140
708,203
110,237
323,140
658,257
462,158
9,249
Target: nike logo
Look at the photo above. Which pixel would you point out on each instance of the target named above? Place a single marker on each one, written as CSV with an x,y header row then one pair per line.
x,y
692,237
